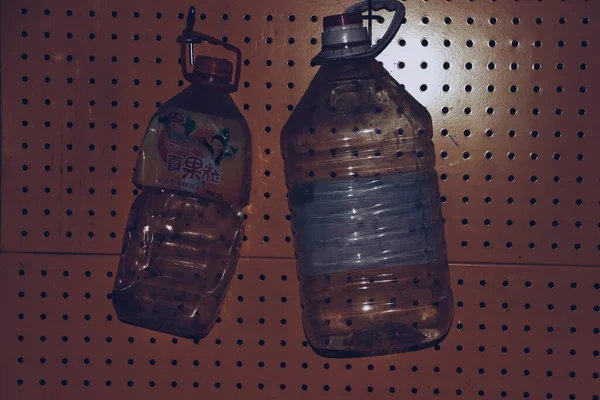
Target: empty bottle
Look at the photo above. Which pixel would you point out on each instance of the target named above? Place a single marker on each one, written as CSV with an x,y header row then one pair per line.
x,y
366,212
184,231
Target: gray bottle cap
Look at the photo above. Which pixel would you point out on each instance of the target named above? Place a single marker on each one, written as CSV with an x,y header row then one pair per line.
x,y
344,35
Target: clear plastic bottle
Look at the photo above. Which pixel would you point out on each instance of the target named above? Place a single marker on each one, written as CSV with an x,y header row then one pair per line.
x,y
366,212
184,231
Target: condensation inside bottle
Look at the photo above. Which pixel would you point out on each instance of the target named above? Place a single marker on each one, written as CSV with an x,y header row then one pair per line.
x,y
366,214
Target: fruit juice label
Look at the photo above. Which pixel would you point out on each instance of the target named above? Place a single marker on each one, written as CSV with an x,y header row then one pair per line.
x,y
201,154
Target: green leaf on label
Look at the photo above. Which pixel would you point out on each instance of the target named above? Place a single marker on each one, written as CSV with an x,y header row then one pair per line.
x,y
189,125
224,133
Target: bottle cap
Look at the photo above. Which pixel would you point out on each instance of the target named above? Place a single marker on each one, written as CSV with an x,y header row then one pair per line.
x,y
214,66
341,20
344,36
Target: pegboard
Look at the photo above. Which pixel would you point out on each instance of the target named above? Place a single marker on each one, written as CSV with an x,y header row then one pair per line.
x,y
512,89
519,332
510,86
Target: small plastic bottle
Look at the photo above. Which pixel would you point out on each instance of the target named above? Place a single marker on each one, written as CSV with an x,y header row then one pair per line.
x,y
183,237
366,211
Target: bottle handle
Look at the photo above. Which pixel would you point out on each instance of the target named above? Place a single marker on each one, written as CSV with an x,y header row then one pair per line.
x,y
190,37
389,5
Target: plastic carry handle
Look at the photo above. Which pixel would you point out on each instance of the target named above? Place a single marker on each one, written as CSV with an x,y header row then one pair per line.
x,y
191,37
389,5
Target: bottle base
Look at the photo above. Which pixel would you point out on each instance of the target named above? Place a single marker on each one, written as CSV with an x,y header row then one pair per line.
x,y
377,311
340,347
161,317
162,329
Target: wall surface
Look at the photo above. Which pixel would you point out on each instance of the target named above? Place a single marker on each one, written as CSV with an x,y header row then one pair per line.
x,y
512,87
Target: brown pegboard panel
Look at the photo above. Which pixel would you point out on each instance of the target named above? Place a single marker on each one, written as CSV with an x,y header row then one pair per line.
x,y
519,181
519,332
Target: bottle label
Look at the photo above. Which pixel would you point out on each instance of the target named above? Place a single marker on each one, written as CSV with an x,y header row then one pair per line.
x,y
191,152
368,222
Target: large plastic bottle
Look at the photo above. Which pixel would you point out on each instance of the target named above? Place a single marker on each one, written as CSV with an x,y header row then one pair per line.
x,y
184,233
366,212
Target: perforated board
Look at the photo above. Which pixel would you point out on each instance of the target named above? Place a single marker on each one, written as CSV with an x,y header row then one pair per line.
x,y
519,332
107,67
512,89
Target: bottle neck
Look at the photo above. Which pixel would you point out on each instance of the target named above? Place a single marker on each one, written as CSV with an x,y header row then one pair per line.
x,y
211,81
345,68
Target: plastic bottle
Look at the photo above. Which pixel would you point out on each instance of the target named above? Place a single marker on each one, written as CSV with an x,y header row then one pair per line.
x,y
366,212
184,231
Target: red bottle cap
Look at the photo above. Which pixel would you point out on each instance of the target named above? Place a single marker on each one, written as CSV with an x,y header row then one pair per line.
x,y
213,66
341,20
